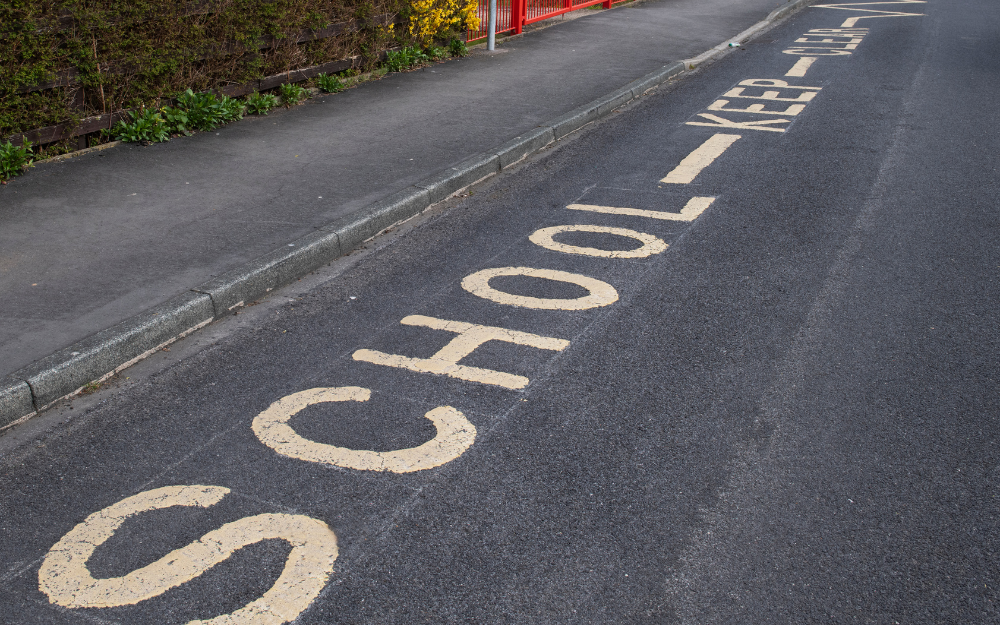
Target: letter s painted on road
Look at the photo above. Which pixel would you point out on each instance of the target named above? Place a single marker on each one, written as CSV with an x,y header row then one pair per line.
x,y
64,576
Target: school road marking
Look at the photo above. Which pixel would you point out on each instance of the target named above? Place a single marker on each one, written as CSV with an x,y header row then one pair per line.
x,y
701,158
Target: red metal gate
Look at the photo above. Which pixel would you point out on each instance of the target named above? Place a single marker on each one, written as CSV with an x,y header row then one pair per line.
x,y
514,15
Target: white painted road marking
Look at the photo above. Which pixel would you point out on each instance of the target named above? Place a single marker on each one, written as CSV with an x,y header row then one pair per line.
x,y
600,293
454,435
64,576
723,105
773,95
470,337
722,122
650,244
832,38
694,207
801,67
701,158
856,6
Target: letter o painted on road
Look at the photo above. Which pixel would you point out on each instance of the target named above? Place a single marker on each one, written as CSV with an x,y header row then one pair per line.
x,y
650,244
600,293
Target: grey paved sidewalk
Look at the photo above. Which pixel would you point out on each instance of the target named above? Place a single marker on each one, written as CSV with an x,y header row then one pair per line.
x,y
89,242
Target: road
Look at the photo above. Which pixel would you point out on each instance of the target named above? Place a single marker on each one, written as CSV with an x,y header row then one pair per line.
x,y
695,365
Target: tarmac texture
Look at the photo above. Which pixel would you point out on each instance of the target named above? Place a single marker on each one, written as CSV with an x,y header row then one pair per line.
x,y
87,243
789,414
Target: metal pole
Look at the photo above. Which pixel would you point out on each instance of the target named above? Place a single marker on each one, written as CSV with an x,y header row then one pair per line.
x,y
491,27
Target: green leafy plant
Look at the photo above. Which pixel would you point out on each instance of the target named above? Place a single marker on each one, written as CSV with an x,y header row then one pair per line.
x,y
232,109
145,125
330,84
405,58
457,47
437,53
292,94
204,111
14,159
261,103
176,119
108,56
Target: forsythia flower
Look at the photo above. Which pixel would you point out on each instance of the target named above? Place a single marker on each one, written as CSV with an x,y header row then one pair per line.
x,y
429,17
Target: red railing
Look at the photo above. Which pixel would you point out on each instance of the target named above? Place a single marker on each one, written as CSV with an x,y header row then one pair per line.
x,y
514,15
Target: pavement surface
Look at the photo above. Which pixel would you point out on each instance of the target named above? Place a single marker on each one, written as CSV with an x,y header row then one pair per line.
x,y
780,409
87,243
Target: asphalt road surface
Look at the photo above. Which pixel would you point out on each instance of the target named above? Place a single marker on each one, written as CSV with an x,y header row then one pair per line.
x,y
696,365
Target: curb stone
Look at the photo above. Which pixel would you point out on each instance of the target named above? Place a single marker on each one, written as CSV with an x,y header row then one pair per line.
x,y
465,174
773,16
15,400
252,280
65,372
364,224
103,354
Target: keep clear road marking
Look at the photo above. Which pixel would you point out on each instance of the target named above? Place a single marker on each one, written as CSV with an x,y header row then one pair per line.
x,y
858,6
470,337
701,158
772,93
694,207
801,67
64,576
454,435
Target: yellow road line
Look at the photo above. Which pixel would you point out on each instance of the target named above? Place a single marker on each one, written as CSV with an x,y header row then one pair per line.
x,y
695,206
801,67
701,158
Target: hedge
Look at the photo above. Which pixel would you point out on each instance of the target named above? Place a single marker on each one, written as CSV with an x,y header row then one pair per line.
x,y
63,60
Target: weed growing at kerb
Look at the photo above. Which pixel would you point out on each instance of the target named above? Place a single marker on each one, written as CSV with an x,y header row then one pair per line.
x,y
437,53
194,111
292,94
207,112
405,58
458,48
330,84
261,103
14,159
145,125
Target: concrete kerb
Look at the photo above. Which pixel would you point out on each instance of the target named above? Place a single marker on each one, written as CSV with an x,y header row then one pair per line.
x,y
109,351
780,12
640,86
522,146
104,354
15,401
466,173
374,218
262,275
773,16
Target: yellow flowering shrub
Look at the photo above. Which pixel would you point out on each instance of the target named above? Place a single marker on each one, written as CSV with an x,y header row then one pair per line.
x,y
434,17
